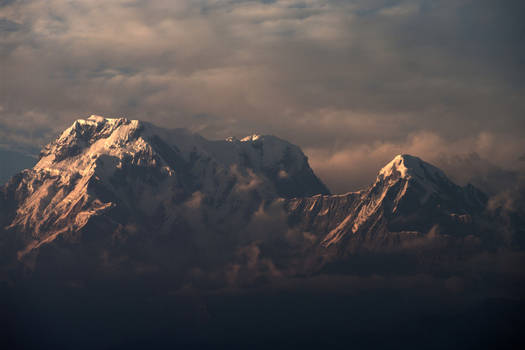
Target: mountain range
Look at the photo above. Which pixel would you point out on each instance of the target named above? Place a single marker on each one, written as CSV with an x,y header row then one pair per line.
x,y
126,195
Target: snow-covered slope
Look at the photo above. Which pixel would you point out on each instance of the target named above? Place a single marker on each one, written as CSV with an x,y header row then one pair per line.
x,y
131,173
119,190
409,196
80,147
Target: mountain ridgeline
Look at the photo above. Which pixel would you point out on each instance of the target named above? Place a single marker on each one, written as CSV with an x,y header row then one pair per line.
x,y
125,195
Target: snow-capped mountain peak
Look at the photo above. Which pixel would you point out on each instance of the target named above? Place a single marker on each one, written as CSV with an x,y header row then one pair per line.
x,y
407,166
129,178
406,187
79,147
406,175
252,137
136,168
407,179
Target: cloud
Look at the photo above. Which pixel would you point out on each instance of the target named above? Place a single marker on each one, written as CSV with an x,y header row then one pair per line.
x,y
354,167
245,182
330,76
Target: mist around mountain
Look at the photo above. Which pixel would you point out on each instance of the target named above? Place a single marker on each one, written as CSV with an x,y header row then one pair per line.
x,y
126,235
12,162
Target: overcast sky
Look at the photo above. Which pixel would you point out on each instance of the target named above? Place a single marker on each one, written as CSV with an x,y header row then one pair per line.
x,y
351,82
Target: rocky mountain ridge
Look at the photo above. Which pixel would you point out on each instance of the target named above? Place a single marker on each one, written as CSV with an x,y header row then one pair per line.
x,y
408,198
114,186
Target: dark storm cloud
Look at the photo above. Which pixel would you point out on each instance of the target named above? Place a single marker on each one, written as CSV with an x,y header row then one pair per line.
x,y
352,82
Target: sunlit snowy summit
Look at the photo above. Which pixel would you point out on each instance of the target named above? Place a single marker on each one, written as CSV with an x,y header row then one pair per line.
x,y
114,185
